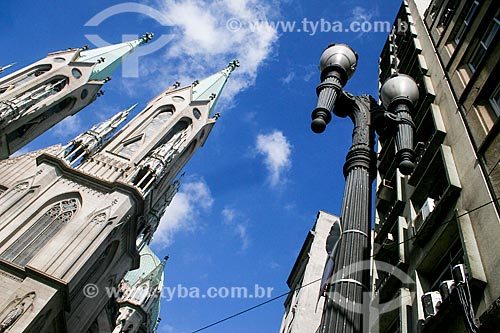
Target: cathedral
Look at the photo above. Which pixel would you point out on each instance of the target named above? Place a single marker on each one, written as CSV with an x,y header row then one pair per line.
x,y
76,220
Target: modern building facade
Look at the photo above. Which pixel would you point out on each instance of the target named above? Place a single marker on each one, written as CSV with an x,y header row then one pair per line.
x,y
83,215
303,306
446,212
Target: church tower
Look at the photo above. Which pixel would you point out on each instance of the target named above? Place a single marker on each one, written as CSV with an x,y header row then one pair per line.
x,y
139,303
73,218
37,97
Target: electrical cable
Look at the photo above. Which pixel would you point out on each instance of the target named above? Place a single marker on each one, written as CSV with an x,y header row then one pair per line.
x,y
391,246
307,284
467,305
464,295
255,306
465,299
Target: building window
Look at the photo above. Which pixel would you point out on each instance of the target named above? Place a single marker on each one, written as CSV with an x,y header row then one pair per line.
x,y
447,14
157,124
186,154
46,226
24,78
154,127
434,9
13,193
130,146
442,269
467,21
141,294
395,327
495,101
484,44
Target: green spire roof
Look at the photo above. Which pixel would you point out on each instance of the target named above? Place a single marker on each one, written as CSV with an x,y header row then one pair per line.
x,y
156,275
149,261
108,58
150,269
211,87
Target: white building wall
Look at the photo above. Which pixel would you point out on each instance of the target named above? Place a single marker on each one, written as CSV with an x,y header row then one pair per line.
x,y
301,314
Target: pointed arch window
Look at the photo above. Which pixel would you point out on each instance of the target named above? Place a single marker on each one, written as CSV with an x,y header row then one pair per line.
x,y
186,154
41,231
141,294
95,270
59,107
157,124
130,146
23,78
164,154
181,129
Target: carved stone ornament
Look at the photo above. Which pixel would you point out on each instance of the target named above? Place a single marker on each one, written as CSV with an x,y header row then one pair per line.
x,y
99,218
15,310
21,186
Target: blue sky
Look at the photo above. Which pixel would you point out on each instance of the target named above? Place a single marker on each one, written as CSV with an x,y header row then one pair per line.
x,y
252,193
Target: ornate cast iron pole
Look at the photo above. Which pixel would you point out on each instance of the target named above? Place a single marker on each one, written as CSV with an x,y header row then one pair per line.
x,y
344,309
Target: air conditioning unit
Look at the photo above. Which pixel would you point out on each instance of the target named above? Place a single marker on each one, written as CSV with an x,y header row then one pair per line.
x,y
385,191
423,214
388,241
459,273
427,208
446,288
430,302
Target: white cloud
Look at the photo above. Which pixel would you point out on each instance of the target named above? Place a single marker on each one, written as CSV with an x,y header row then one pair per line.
x,y
165,328
228,214
203,44
360,14
276,150
71,126
289,78
239,228
184,211
274,265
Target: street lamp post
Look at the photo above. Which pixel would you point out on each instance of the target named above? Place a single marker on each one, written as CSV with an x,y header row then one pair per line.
x,y
399,95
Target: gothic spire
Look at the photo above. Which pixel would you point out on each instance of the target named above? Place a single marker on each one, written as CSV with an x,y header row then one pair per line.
x,y
156,275
139,305
153,147
37,97
156,212
211,87
6,66
91,141
108,58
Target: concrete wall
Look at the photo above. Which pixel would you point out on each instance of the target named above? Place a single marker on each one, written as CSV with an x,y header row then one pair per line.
x,y
301,314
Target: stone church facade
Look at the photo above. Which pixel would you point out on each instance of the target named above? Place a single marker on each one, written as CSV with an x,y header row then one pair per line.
x,y
83,214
